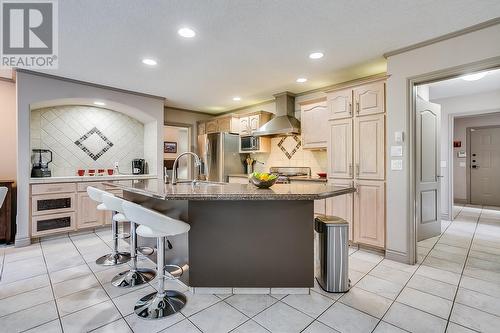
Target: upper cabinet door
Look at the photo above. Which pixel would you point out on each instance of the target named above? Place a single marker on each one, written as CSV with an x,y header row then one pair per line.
x,y
369,148
254,122
211,126
340,104
245,126
369,99
314,125
340,149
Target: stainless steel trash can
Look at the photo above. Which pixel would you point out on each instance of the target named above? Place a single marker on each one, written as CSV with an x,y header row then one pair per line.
x,y
333,253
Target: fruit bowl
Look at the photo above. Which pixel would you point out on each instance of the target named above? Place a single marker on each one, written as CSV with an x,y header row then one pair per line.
x,y
263,180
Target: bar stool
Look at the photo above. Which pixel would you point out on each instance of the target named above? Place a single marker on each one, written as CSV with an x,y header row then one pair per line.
x,y
115,257
134,276
162,303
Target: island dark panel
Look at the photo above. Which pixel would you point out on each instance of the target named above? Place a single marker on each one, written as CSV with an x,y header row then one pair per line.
x,y
251,244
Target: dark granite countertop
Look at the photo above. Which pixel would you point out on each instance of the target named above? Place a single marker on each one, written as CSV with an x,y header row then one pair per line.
x,y
225,191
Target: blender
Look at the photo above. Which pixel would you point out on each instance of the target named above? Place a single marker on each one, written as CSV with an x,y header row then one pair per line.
x,y
40,160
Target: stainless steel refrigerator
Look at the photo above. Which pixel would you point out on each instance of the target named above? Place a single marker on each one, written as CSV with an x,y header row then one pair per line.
x,y
220,155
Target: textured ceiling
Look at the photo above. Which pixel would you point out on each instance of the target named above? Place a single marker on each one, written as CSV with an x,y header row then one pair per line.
x,y
247,48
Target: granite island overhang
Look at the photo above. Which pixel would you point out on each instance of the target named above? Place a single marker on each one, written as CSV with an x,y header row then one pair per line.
x,y
240,236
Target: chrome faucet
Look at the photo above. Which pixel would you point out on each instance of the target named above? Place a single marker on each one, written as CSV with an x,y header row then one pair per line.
x,y
197,162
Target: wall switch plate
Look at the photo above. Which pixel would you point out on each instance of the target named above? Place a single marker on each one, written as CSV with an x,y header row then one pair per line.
x,y
397,165
443,164
462,164
398,136
396,151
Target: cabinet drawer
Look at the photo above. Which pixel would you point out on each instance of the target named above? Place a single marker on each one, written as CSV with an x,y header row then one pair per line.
x,y
54,223
52,188
82,187
52,203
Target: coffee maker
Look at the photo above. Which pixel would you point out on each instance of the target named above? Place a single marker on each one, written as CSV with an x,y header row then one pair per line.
x,y
138,166
40,160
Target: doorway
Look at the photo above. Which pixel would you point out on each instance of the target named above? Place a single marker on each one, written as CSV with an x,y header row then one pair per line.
x,y
177,140
448,123
484,171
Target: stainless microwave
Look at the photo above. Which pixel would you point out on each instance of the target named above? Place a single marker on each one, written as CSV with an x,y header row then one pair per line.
x,y
249,143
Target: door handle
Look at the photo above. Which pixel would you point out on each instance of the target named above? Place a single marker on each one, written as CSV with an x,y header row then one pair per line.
x,y
357,107
350,109
350,169
357,169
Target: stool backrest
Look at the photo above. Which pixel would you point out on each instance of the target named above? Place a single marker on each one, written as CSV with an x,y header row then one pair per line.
x,y
154,220
3,194
95,193
112,203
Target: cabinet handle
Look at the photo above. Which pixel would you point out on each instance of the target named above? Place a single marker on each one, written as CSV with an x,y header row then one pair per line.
x,y
350,169
350,108
357,107
357,169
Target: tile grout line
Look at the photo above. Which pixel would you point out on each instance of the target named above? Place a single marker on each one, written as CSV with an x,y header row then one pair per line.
x,y
463,268
337,300
102,286
411,276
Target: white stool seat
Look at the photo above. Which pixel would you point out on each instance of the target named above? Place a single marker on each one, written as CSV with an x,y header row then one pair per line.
x,y
102,206
161,225
119,217
145,231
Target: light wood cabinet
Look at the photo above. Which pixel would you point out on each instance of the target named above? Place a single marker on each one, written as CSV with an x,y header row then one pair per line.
x,y
201,128
340,149
356,152
342,205
369,213
340,104
314,125
369,147
87,214
369,98
211,126
254,122
245,129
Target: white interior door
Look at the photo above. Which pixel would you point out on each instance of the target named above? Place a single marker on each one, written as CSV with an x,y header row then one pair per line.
x,y
485,166
428,192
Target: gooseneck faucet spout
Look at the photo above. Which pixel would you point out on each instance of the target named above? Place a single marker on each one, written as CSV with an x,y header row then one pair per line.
x,y
197,162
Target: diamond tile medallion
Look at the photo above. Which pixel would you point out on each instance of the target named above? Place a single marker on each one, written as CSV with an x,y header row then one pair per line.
x,y
94,143
288,146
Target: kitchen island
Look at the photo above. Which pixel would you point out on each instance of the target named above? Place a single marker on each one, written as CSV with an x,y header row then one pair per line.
x,y
240,236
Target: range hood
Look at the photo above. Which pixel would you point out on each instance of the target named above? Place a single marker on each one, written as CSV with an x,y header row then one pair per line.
x,y
284,123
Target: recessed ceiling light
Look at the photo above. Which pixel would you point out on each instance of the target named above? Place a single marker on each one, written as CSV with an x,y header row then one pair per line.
x,y
474,77
316,55
236,98
149,62
186,32
98,103
301,80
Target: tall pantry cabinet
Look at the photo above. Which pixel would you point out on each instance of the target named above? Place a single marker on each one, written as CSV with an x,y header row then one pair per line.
x,y
356,156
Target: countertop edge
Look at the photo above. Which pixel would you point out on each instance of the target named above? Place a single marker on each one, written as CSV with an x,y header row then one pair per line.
x,y
82,179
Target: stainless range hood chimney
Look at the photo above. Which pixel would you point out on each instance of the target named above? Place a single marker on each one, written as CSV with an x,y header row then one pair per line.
x,y
284,123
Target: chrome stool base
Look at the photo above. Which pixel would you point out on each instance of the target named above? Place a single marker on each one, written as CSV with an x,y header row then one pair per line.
x,y
158,305
113,259
145,250
131,278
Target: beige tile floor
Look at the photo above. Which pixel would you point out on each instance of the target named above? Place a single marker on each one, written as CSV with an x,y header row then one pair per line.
x,y
54,286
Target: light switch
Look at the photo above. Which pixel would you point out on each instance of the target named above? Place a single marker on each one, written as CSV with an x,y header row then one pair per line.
x,y
443,164
398,137
397,165
396,151
462,164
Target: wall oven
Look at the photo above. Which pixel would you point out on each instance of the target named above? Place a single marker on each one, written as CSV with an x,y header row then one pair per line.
x,y
249,143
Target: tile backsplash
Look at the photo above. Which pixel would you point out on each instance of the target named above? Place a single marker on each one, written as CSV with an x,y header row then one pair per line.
x,y
281,156
85,137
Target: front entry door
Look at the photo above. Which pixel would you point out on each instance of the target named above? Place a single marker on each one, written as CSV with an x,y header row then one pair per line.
x,y
428,211
485,166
